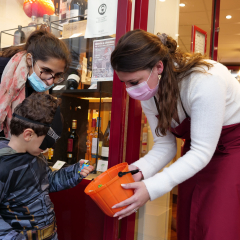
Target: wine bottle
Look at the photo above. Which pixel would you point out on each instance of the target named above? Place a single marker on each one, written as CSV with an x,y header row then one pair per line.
x,y
86,9
73,81
72,147
97,138
144,136
105,143
100,137
19,36
56,3
76,9
89,146
94,140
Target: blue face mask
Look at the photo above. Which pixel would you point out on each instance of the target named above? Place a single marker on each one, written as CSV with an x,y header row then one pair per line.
x,y
36,83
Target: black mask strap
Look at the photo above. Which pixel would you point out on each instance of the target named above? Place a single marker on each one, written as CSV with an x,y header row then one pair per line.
x,y
31,121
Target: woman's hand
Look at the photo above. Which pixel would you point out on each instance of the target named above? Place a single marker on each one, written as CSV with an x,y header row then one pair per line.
x,y
86,170
138,176
140,197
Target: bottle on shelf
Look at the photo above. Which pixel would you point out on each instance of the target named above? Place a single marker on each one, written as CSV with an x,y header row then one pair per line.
x,y
89,138
86,9
72,147
89,147
46,23
56,3
144,136
32,26
100,137
19,36
73,81
105,142
33,22
97,137
76,8
94,139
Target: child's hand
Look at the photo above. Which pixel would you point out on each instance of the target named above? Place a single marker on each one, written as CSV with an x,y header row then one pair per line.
x,y
86,170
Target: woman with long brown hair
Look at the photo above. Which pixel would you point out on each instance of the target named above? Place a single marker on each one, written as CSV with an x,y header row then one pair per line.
x,y
189,97
32,67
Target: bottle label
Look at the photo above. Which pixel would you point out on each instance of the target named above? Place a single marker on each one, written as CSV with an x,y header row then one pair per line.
x,y
74,12
70,145
105,151
144,138
69,155
94,145
74,77
74,124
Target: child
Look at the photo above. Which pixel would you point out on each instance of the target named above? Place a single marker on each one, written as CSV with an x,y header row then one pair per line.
x,y
26,211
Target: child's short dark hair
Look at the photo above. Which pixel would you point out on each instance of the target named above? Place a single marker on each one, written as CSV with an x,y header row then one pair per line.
x,y
39,107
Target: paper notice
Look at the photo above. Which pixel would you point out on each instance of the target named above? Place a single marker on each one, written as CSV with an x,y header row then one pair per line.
x,y
102,17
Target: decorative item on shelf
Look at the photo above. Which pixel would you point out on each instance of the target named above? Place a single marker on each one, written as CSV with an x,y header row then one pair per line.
x,y
19,36
73,81
38,7
72,148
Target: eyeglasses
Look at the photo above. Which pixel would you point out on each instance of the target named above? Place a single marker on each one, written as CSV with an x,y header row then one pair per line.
x,y
47,75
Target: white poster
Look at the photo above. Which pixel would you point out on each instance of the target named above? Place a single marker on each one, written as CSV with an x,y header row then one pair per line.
x,y
101,67
102,17
200,42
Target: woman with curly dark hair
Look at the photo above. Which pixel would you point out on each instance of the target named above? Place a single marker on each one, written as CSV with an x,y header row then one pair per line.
x,y
32,67
189,97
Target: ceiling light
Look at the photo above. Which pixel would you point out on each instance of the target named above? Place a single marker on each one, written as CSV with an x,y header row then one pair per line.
x,y
228,17
162,0
182,4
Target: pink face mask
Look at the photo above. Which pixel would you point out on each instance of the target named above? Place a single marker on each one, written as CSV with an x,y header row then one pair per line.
x,y
142,91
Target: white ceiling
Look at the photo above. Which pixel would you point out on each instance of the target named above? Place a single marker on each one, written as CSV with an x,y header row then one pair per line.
x,y
199,13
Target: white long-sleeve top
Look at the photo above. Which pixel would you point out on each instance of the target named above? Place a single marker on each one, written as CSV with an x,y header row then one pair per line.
x,y
212,100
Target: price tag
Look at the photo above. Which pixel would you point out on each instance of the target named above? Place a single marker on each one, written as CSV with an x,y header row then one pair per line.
x,y
59,87
102,165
